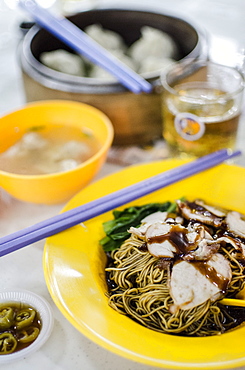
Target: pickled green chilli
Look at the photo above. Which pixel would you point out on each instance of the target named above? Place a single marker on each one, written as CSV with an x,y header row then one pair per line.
x,y
6,318
8,343
25,317
20,325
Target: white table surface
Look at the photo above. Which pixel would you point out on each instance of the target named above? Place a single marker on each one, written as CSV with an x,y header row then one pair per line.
x,y
67,348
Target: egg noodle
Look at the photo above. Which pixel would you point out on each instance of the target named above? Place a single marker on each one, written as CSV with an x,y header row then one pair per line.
x,y
140,290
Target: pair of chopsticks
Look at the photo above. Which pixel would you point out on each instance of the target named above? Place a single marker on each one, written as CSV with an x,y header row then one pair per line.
x,y
63,221
79,41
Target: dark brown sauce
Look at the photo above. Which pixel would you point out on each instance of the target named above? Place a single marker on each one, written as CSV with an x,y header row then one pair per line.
x,y
211,274
197,208
177,236
233,318
237,314
143,247
36,323
111,285
237,239
200,210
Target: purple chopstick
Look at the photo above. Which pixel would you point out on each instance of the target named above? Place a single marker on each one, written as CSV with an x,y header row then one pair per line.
x,y
79,41
63,221
217,156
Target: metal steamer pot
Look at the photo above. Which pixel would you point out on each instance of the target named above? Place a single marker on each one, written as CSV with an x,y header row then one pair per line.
x,y
136,117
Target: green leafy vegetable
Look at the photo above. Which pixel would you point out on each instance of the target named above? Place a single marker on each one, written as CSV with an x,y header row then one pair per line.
x,y
116,229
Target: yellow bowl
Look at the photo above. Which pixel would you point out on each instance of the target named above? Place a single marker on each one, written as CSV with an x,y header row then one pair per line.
x,y
74,271
56,187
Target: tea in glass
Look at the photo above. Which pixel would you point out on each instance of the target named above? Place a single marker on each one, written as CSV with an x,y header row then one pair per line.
x,y
201,107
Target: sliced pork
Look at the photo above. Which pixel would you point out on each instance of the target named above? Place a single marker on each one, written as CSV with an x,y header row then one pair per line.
x,y
194,211
157,240
159,217
235,224
188,244
216,211
191,284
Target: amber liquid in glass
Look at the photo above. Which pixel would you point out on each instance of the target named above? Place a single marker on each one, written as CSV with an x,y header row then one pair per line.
x,y
219,115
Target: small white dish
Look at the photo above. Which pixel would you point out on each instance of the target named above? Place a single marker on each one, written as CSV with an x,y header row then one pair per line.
x,y
46,316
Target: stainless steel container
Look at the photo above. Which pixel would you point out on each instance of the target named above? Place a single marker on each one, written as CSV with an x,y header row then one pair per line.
x,y
136,117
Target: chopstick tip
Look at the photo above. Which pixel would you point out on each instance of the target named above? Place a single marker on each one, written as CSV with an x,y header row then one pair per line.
x,y
234,153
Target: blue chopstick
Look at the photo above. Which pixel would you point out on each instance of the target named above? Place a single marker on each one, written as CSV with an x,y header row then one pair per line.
x,y
79,41
63,221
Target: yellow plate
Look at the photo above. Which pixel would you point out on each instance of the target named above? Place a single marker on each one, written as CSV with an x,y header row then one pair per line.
x,y
74,262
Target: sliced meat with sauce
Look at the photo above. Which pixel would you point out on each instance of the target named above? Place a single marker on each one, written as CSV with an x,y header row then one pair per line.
x,y
168,240
216,211
192,284
191,243
235,224
203,252
205,245
194,211
157,240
